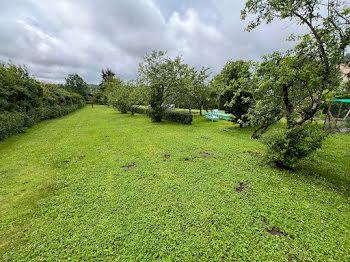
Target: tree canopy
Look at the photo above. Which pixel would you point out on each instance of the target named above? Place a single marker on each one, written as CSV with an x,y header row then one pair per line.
x,y
294,83
76,84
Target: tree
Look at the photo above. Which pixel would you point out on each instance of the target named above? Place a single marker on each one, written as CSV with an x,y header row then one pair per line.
x,y
233,70
76,84
233,78
196,88
106,75
117,93
163,77
301,77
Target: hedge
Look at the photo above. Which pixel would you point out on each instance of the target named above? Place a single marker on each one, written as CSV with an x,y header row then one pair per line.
x,y
139,110
25,101
180,117
172,116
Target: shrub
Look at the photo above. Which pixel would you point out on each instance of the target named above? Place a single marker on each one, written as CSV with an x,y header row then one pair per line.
x,y
25,101
172,116
180,117
347,123
11,123
156,113
139,110
285,148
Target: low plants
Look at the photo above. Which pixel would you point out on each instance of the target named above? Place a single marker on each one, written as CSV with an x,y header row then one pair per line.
x,y
347,123
285,148
172,116
180,117
139,109
100,186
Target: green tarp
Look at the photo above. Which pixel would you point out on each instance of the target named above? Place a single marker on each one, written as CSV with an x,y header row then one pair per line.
x,y
341,100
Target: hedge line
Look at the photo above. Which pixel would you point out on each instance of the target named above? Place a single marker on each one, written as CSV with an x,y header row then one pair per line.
x,y
25,101
172,116
15,122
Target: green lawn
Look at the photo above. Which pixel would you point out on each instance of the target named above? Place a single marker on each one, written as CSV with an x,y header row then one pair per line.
x,y
66,193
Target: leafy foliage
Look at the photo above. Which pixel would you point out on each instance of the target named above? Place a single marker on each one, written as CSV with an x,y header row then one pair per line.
x,y
295,83
76,84
117,94
196,88
285,148
236,97
106,75
164,77
25,101
172,116
180,117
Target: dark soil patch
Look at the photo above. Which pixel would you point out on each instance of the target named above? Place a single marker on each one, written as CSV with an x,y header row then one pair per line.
x,y
240,188
129,166
274,231
186,159
167,156
66,162
203,137
205,154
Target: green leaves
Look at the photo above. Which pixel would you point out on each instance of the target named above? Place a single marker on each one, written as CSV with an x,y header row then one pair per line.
x,y
287,148
299,77
170,81
76,84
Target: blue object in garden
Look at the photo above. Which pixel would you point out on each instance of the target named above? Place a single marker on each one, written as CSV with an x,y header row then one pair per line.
x,y
217,115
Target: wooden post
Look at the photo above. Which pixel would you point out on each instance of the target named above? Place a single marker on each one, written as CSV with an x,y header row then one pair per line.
x,y
328,114
339,111
347,115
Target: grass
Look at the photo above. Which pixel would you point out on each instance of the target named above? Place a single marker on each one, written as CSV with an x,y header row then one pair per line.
x,y
66,193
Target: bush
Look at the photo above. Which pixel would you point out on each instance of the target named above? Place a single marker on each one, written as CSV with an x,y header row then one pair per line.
x,y
347,123
11,123
172,116
285,148
156,113
25,101
139,110
180,117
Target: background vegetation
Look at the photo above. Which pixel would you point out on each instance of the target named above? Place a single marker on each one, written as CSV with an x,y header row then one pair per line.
x,y
25,101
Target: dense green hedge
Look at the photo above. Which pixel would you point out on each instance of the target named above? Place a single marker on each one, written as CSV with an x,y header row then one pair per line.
x,y
139,110
180,117
25,101
173,116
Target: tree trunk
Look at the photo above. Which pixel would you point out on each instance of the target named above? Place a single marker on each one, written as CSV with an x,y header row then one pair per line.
x,y
288,106
190,109
200,110
310,113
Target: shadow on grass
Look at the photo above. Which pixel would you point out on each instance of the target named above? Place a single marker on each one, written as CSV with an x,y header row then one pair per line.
x,y
320,173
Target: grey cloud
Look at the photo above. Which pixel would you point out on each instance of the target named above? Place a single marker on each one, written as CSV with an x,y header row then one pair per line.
x,y
55,38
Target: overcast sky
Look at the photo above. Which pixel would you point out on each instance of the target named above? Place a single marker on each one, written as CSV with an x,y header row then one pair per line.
x,y
55,38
